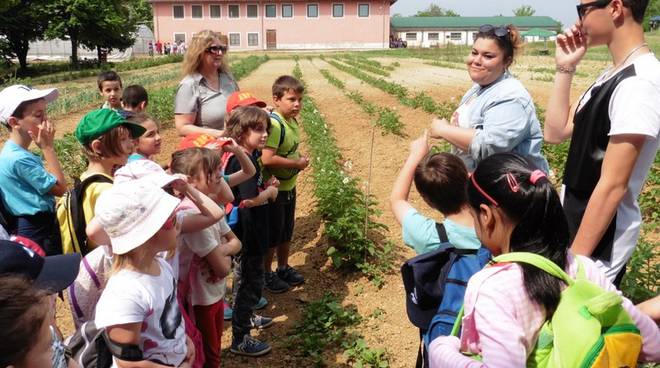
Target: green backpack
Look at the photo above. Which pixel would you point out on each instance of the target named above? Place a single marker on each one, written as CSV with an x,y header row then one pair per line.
x,y
590,327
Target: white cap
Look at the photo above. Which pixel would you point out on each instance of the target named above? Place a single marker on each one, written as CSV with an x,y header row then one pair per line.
x,y
13,96
132,212
147,169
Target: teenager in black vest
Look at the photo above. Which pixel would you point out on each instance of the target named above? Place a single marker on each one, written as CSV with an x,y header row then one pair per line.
x,y
613,129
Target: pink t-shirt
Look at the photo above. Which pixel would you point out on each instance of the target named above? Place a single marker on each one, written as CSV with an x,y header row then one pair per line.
x,y
502,324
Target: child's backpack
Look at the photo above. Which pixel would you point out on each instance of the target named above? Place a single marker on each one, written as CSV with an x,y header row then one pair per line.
x,y
231,211
71,217
590,327
282,173
435,286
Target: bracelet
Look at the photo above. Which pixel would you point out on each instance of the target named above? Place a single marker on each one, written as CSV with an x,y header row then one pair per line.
x,y
565,70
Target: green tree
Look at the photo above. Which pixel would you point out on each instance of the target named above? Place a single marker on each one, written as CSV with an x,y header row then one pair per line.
x,y
142,11
435,10
94,24
524,11
21,21
653,9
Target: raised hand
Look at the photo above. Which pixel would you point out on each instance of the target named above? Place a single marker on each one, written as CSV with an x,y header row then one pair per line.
x,y
571,47
45,137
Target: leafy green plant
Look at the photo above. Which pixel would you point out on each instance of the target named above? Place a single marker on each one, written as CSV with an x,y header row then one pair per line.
x,y
70,155
361,355
366,66
643,272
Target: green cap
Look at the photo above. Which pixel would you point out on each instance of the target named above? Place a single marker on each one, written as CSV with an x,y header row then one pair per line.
x,y
99,122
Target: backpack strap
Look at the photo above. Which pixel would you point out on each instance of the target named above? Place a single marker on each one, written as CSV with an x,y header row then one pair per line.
x,y
277,118
536,261
442,232
77,212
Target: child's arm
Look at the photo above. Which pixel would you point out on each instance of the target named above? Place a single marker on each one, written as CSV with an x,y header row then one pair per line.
x,y
419,148
247,168
219,260
270,158
225,194
96,233
210,212
266,194
232,244
45,141
129,334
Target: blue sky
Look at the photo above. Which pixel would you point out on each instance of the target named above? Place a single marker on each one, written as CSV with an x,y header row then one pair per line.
x,y
562,10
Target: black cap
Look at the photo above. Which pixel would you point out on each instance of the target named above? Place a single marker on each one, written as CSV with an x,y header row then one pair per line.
x,y
52,273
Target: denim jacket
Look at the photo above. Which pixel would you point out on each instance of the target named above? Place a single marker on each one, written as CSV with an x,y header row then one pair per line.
x,y
504,116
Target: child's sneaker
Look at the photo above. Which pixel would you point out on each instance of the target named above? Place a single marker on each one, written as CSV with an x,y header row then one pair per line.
x,y
263,302
260,322
290,276
274,284
229,313
249,347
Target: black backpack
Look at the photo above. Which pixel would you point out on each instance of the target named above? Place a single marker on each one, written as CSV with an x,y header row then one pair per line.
x,y
7,220
88,347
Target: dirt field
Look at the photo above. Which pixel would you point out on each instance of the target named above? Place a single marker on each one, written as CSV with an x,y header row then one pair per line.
x,y
353,130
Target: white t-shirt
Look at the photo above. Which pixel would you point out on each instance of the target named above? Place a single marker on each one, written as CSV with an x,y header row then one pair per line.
x,y
205,287
131,297
461,118
634,109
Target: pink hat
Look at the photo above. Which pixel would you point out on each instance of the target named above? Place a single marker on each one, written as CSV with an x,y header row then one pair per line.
x,y
132,212
146,169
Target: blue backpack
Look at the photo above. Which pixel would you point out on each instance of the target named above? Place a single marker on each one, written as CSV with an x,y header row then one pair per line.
x,y
435,285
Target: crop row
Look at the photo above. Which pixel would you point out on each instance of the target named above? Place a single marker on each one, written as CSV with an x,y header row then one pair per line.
x,y
388,120
354,62
346,210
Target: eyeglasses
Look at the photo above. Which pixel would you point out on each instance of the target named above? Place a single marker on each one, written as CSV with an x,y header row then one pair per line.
x,y
582,8
217,49
170,223
499,31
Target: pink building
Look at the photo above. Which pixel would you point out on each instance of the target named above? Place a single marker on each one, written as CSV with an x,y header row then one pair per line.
x,y
277,24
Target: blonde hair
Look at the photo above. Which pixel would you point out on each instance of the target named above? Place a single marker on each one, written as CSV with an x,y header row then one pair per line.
x,y
200,42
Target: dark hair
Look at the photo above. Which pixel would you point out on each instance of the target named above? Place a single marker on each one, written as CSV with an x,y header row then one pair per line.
x,y
244,118
441,180
134,95
107,76
541,225
509,44
142,118
110,144
23,311
194,161
637,8
287,83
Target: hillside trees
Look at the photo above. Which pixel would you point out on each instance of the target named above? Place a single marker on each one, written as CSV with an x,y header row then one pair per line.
x,y
524,11
435,10
21,21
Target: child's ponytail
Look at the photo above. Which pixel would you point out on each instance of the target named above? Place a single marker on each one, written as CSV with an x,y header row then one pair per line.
x,y
528,199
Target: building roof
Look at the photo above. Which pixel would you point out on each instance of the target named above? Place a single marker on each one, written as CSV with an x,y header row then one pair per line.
x,y
471,22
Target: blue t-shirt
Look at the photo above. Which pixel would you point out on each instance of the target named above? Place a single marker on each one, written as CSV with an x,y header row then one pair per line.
x,y
24,182
420,233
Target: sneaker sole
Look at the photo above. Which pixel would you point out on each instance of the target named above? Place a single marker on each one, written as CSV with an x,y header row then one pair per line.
x,y
238,352
263,326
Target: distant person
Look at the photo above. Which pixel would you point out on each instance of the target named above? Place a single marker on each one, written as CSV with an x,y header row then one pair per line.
x,y
174,48
159,47
201,98
497,114
151,48
110,88
614,130
27,187
134,99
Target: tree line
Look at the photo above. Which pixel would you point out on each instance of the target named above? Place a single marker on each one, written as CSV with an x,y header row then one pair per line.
x,y
99,25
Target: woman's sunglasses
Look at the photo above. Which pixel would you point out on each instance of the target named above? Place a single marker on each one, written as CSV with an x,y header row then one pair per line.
x,y
582,8
499,31
216,49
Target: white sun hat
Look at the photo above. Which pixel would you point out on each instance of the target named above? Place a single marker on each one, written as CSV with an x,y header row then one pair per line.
x,y
145,169
13,96
132,212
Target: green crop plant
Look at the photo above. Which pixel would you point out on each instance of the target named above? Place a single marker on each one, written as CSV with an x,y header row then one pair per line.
x,y
364,66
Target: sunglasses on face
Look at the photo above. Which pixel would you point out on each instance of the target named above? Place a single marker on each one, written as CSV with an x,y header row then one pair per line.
x,y
170,223
499,31
582,8
217,49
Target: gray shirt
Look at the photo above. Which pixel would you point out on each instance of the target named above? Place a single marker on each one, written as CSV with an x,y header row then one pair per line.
x,y
193,95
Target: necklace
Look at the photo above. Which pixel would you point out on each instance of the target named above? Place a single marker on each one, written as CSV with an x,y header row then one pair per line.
x,y
626,58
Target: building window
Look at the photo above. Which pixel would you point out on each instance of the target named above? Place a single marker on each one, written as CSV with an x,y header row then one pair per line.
x,y
312,10
215,11
271,11
234,11
363,10
196,11
337,10
179,38
253,39
287,10
456,36
177,11
252,11
411,36
234,39
434,36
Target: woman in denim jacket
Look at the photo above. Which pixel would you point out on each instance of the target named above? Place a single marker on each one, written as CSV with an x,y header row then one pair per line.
x,y
497,114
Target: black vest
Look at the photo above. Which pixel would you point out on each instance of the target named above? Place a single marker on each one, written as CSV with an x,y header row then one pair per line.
x,y
591,127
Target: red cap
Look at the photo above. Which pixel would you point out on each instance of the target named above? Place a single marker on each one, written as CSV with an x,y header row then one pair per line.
x,y
240,98
201,140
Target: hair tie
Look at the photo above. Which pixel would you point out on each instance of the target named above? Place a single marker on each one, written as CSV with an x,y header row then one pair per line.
x,y
535,176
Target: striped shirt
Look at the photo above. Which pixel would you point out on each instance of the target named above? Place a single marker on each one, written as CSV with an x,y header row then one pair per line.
x,y
502,324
